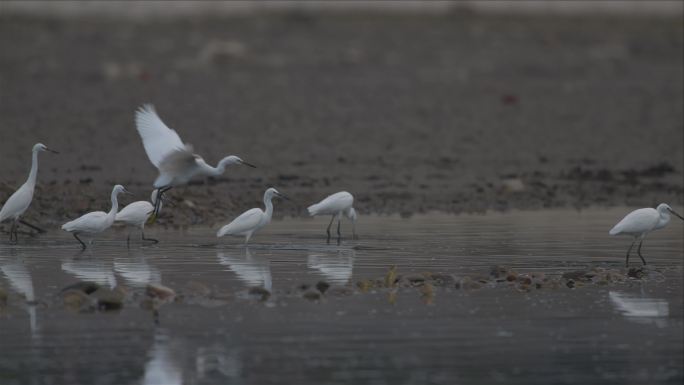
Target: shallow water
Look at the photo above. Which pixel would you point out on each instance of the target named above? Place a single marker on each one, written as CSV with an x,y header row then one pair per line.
x,y
630,332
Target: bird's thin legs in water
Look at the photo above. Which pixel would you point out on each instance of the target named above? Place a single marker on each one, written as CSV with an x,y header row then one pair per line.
x,y
83,245
160,194
628,251
38,229
14,238
128,241
639,252
330,225
339,234
155,241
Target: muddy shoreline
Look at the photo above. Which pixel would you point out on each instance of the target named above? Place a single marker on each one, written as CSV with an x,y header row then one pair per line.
x,y
457,113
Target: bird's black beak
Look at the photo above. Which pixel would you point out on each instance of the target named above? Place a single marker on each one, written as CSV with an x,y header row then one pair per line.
x,y
127,192
247,164
673,212
51,150
283,196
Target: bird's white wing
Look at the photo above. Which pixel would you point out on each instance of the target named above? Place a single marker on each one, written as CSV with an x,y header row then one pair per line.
x,y
158,139
91,222
135,213
179,163
247,221
332,204
637,222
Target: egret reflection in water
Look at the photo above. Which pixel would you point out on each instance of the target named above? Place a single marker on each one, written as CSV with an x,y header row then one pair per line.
x,y
162,367
250,269
136,270
335,267
90,270
640,309
15,271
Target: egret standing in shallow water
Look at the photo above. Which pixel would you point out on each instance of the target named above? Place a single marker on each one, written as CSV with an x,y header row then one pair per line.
x,y
18,202
136,214
97,221
640,222
252,220
337,204
176,162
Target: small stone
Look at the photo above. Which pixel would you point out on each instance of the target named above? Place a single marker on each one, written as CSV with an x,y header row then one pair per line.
x,y
259,292
304,287
414,279
83,286
524,279
312,295
511,277
108,299
636,272
75,299
322,286
442,279
364,285
159,291
570,283
499,271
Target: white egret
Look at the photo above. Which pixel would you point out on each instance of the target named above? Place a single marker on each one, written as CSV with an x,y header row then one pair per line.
x,y
136,214
18,202
337,204
252,220
96,221
640,222
176,162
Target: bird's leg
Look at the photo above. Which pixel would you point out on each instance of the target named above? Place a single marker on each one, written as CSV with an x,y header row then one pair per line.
x,y
160,195
128,240
639,252
14,238
330,225
339,234
83,245
628,251
155,241
249,235
38,229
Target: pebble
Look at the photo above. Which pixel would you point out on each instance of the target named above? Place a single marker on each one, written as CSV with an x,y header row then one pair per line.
x,y
87,287
322,286
75,299
160,291
260,292
108,299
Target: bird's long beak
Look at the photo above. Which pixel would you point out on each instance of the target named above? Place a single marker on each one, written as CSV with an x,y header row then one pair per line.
x,y
283,196
127,192
247,164
673,212
51,150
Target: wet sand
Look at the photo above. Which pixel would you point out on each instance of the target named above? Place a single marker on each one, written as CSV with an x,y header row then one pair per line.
x,y
478,328
455,113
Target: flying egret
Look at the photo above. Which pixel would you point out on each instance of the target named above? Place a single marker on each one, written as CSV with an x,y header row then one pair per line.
x,y
18,202
97,221
337,204
640,222
176,162
251,220
136,214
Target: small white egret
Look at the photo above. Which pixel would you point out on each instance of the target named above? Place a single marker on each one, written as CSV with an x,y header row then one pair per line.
x,y
96,221
176,162
252,220
337,204
640,222
18,202
136,214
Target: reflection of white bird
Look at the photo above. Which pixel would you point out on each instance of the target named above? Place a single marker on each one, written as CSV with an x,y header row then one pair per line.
x,y
18,202
640,309
336,268
96,221
640,222
20,280
136,271
337,204
162,368
252,271
251,220
136,214
91,270
176,162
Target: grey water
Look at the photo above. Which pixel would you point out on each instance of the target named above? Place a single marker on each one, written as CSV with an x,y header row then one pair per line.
x,y
626,333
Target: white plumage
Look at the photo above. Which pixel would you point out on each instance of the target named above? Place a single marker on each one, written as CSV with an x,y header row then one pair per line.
x,y
20,201
176,162
137,214
640,222
338,204
251,220
97,221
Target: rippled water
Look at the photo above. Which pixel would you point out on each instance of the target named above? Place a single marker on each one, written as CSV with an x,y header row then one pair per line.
x,y
619,333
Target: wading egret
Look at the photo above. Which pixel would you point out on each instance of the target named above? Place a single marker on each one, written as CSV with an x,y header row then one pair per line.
x,y
97,221
18,202
251,220
640,222
136,214
337,204
176,162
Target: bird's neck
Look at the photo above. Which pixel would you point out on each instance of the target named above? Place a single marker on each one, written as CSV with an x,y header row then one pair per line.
x,y
213,171
33,174
269,207
115,205
664,218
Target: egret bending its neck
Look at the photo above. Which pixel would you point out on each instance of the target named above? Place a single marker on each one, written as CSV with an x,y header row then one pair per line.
x,y
268,203
221,166
34,169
